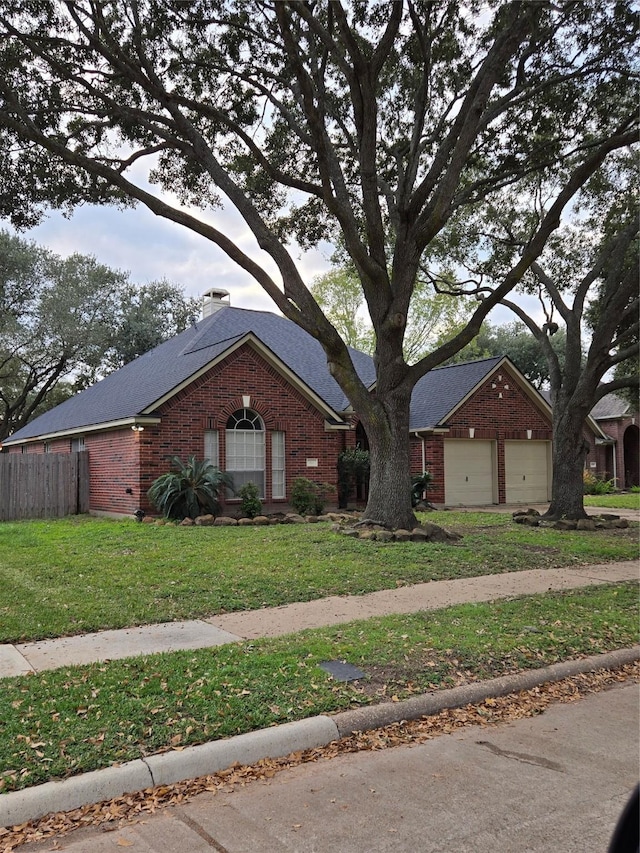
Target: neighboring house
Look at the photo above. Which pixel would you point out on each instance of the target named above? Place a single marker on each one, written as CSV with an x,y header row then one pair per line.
x,y
251,391
616,455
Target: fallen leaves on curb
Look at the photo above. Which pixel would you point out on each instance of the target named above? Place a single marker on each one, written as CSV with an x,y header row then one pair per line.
x,y
115,813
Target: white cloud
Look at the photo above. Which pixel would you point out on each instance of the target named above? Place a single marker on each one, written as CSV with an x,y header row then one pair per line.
x,y
149,248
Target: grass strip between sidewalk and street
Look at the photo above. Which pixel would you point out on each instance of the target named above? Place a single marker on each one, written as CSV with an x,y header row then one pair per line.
x,y
73,720
80,574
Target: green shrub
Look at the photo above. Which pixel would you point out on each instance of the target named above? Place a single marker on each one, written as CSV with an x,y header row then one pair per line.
x,y
309,498
594,485
635,489
419,486
192,489
250,503
353,467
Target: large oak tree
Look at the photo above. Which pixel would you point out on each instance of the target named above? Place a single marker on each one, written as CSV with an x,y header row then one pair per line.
x,y
65,322
585,328
370,122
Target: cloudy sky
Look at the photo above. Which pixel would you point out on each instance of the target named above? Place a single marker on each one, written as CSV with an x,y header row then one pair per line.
x,y
150,248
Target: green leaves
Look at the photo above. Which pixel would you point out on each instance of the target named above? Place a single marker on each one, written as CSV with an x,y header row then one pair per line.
x,y
192,490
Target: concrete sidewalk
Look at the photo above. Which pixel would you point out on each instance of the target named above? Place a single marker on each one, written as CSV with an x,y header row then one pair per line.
x,y
305,734
24,658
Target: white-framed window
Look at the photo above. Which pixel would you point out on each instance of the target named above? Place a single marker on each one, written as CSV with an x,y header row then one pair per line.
x,y
77,443
212,446
46,447
245,449
278,489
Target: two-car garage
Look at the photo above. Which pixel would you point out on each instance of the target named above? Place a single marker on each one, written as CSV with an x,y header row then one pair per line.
x,y
471,472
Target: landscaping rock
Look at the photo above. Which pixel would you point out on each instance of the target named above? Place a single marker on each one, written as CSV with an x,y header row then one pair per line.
x,y
294,518
586,524
261,519
565,524
383,535
401,535
311,519
529,520
419,535
245,522
349,531
622,523
187,522
519,513
368,534
608,516
205,520
225,521
435,533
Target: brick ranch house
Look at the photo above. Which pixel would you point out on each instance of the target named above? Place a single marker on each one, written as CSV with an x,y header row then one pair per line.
x,y
250,391
616,456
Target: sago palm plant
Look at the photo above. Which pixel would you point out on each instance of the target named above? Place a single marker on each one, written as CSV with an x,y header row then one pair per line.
x,y
192,489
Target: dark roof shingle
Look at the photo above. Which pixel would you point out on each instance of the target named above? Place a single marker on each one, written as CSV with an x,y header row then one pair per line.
x,y
135,388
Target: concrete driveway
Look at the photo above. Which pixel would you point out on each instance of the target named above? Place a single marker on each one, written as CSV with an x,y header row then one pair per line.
x,y
553,782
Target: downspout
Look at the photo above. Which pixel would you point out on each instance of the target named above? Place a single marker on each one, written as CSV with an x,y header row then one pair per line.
x,y
615,465
424,457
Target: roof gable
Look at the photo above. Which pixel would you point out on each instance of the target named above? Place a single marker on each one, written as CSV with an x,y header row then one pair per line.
x,y
138,388
441,391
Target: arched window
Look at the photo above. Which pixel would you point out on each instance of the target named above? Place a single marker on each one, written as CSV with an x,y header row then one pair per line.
x,y
245,449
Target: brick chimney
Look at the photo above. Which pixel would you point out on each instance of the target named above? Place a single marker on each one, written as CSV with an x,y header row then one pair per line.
x,y
213,300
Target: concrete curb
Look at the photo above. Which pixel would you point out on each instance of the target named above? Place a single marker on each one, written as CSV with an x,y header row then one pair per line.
x,y
165,768
376,716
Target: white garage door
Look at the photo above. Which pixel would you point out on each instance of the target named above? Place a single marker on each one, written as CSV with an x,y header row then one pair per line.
x,y
468,473
527,470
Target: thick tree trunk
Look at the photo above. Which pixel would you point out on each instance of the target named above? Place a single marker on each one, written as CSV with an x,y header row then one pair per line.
x,y
569,453
389,500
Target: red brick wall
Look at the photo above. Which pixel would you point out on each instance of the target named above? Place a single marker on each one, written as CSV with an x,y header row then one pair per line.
x,y
602,455
499,410
207,403
123,459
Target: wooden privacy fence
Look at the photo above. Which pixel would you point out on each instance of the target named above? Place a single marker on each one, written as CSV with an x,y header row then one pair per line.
x,y
43,485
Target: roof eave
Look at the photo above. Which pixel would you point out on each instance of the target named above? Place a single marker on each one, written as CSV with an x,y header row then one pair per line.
x,y
120,423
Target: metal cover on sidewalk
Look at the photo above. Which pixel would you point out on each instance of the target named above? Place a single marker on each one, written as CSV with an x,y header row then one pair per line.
x,y
341,670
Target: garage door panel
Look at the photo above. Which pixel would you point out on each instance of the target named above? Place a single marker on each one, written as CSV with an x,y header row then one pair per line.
x,y
468,472
526,471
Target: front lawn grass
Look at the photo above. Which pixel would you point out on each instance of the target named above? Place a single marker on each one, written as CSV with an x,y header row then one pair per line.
x,y
70,576
630,500
73,720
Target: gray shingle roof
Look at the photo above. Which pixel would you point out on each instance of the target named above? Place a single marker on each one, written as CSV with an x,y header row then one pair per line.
x,y
610,406
135,388
441,390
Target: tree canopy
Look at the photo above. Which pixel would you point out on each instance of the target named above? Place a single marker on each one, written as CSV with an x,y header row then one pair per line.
x,y
587,283
431,315
516,341
375,123
68,321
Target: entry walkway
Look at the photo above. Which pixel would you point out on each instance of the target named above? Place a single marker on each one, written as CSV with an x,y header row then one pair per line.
x,y
218,630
